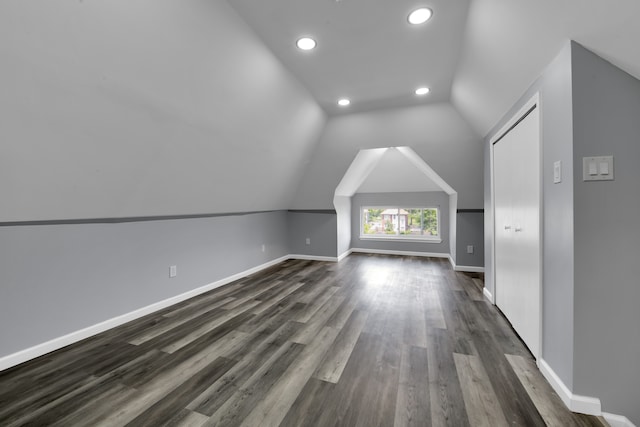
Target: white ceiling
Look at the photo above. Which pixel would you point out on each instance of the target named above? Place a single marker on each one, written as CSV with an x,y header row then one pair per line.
x,y
367,51
395,173
480,55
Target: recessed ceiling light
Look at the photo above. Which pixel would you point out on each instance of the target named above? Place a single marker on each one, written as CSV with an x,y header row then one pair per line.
x,y
420,16
422,91
306,43
344,102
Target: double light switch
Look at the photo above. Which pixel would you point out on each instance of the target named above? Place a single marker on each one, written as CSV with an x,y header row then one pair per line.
x,y
597,168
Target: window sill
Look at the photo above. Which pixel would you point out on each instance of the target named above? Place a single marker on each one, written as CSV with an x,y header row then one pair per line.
x,y
402,239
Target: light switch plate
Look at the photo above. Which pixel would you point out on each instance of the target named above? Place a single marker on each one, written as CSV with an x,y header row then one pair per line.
x,y
557,172
597,168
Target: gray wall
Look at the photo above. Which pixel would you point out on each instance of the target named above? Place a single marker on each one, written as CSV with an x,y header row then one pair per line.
x,y
58,279
554,86
591,337
428,199
320,227
343,210
606,121
470,231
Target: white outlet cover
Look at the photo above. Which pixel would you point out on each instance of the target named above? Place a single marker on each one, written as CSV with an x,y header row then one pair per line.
x,y
557,172
173,271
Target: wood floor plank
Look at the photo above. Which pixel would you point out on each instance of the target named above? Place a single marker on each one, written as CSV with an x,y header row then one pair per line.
x,y
205,300
180,396
176,321
445,393
221,390
342,313
251,294
318,321
412,403
209,327
84,392
544,398
310,409
274,407
481,402
367,391
513,398
305,315
333,364
415,325
256,387
91,412
186,418
433,310
277,298
167,381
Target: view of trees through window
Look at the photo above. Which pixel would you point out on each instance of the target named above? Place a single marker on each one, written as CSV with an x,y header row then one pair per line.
x,y
400,222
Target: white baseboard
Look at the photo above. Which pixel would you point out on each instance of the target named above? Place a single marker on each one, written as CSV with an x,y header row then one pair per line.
x,y
488,295
344,255
617,420
464,268
57,343
313,257
406,253
469,269
575,403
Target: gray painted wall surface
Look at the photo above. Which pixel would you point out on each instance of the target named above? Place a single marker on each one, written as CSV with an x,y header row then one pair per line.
x,y
470,232
436,132
428,199
58,279
554,86
321,228
606,115
590,264
343,210
453,227
558,234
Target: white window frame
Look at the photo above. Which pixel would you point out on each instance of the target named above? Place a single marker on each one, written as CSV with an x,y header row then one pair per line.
x,y
397,236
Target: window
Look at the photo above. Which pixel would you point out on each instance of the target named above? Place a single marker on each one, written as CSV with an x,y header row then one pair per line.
x,y
399,223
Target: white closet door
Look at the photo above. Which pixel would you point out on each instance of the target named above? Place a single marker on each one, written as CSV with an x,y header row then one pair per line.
x,y
517,222
505,257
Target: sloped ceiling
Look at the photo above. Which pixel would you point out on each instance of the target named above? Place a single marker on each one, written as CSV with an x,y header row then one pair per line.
x,y
395,173
481,55
507,44
366,49
160,107
126,108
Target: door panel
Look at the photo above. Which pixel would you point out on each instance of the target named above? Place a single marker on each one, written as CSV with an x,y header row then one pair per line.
x,y
517,204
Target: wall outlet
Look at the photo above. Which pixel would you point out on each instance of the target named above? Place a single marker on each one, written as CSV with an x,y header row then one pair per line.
x,y
263,247
470,249
308,241
173,271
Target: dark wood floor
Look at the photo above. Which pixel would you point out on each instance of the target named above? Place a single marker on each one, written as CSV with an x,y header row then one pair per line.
x,y
370,341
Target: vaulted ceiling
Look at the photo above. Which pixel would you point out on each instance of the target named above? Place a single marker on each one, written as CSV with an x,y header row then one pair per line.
x,y
479,54
120,108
